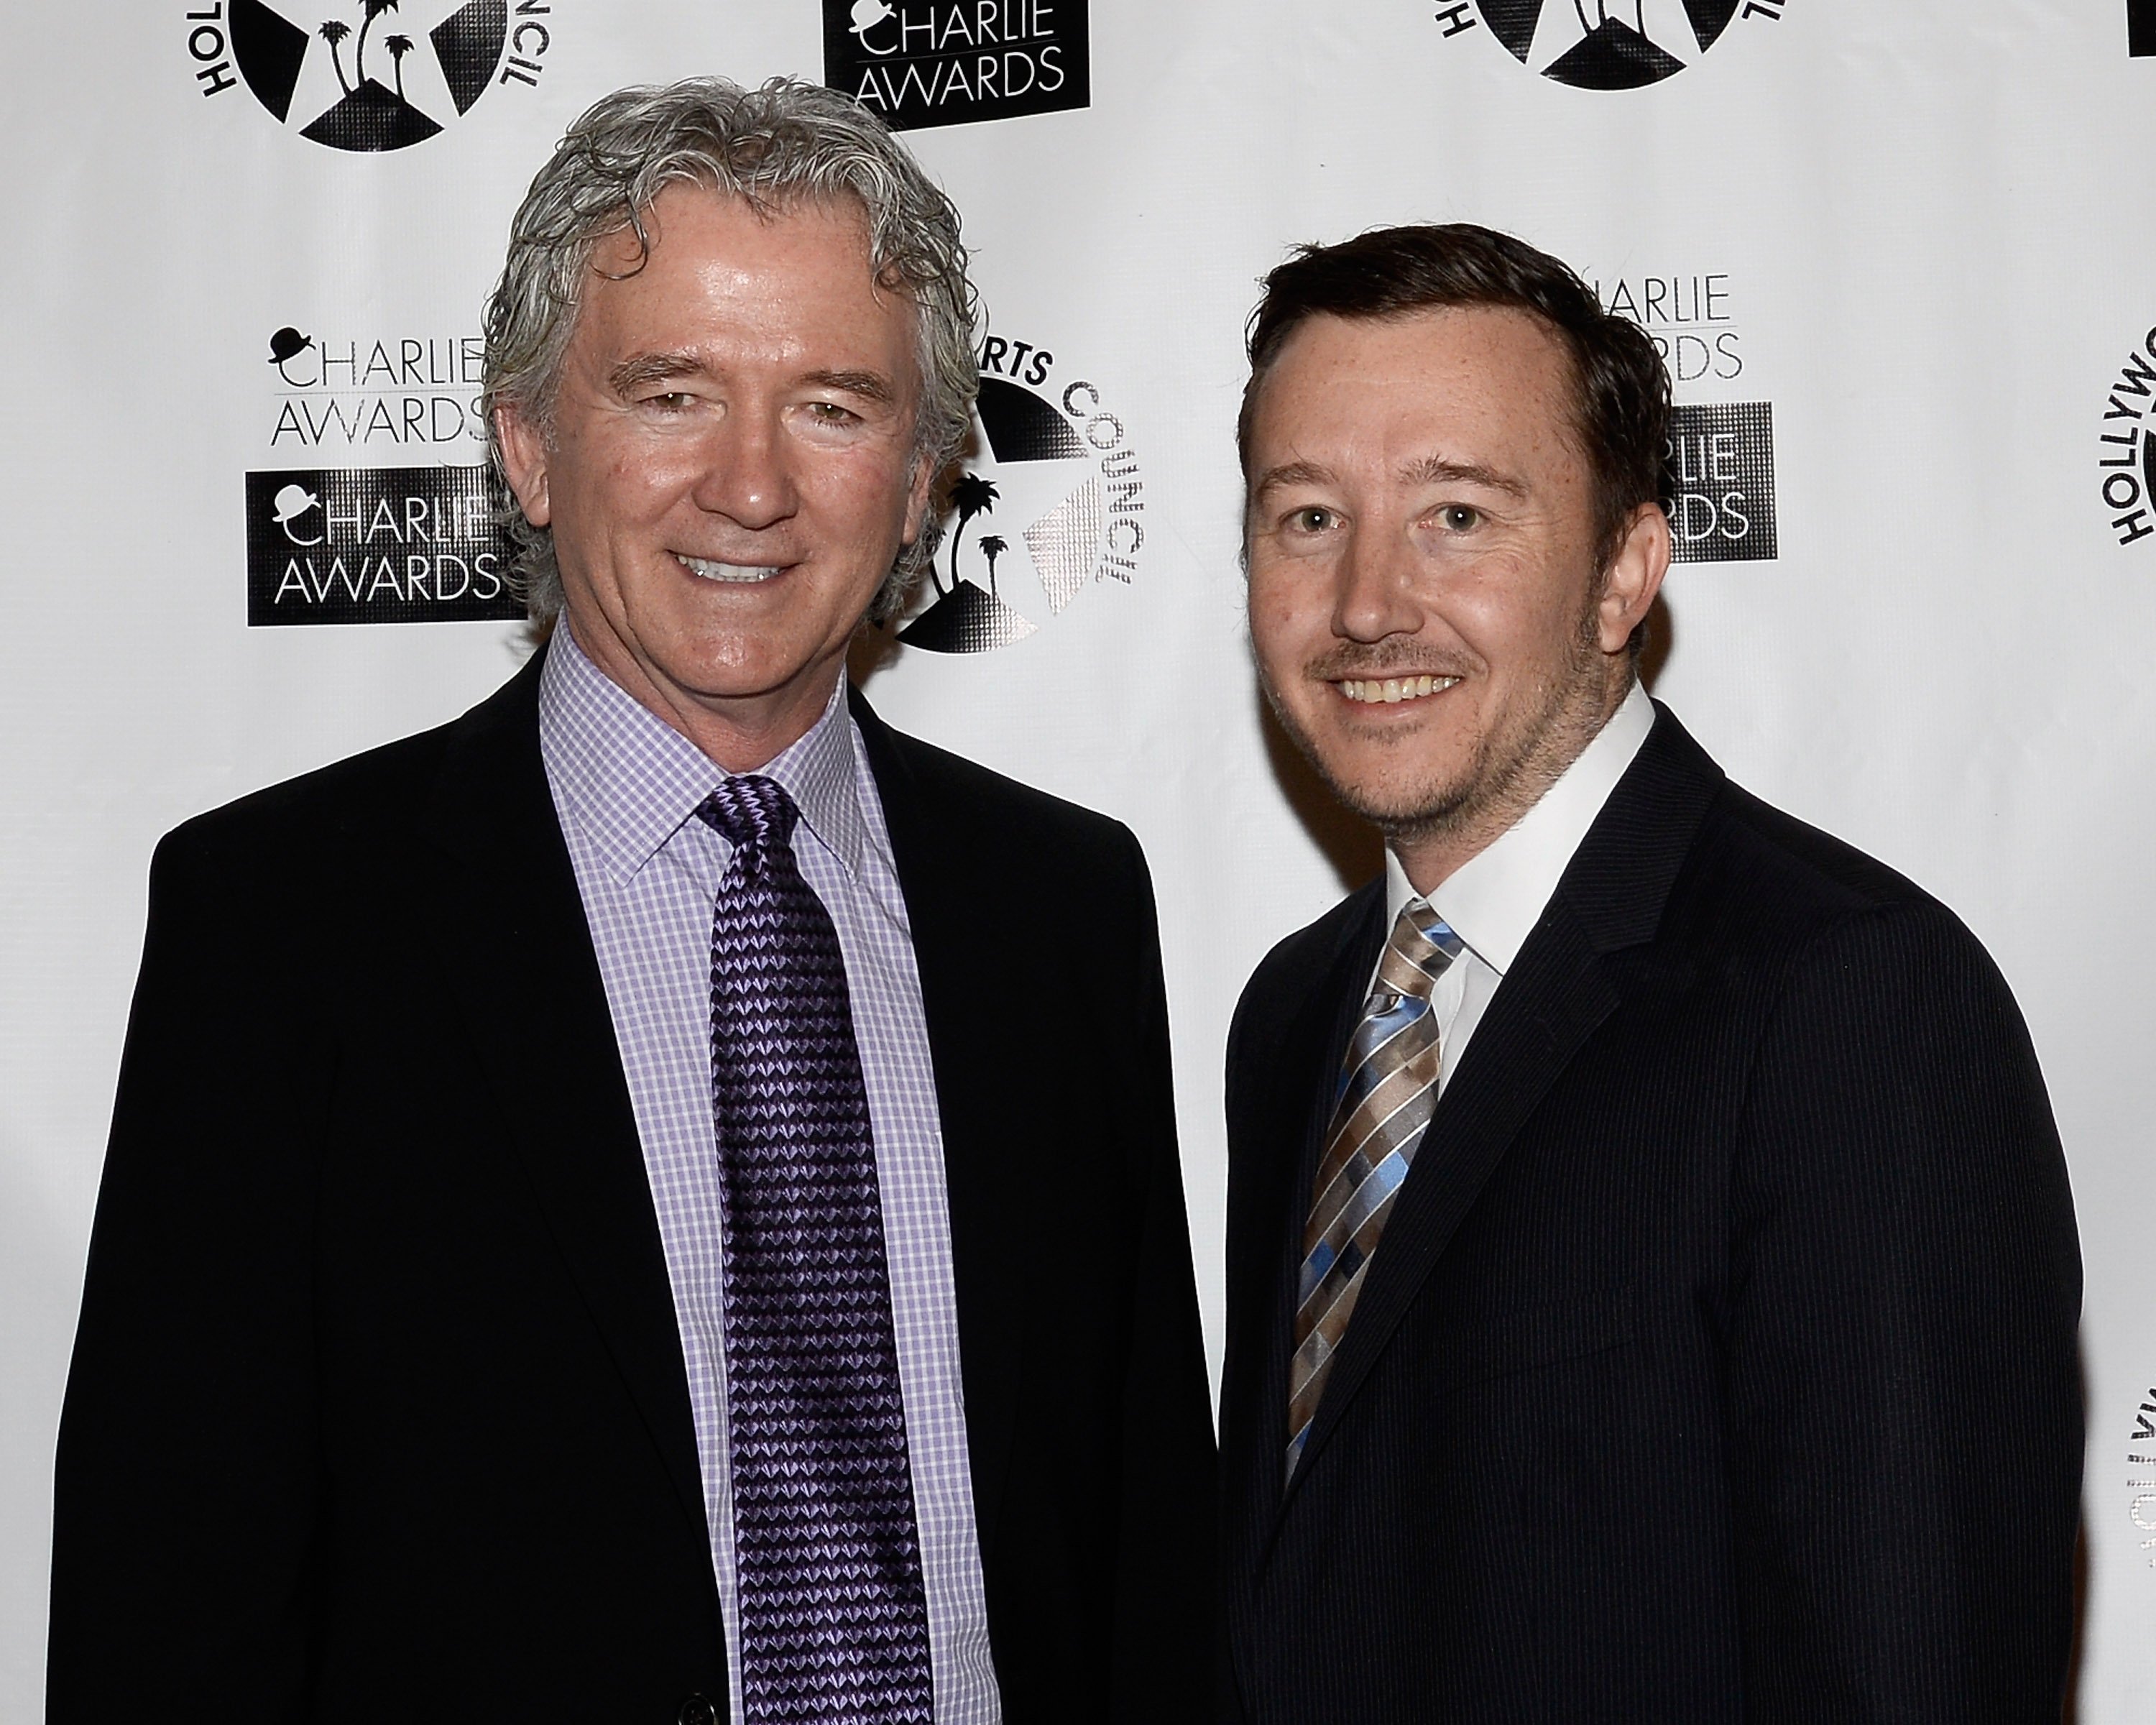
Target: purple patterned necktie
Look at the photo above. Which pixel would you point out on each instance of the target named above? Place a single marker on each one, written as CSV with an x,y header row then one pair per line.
x,y
833,1613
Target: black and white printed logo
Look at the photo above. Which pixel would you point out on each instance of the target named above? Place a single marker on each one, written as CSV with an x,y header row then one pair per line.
x,y
2126,463
376,545
923,62
367,74
1605,44
1049,502
406,530
2141,1475
1721,463
2141,28
376,393
1722,481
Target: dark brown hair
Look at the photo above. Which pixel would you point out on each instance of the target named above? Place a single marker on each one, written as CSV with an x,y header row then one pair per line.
x,y
1624,388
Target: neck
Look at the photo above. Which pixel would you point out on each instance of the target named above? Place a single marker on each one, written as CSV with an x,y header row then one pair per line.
x,y
741,734
1432,851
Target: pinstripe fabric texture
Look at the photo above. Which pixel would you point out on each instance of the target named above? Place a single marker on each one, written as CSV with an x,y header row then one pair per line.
x,y
1389,1085
626,787
1727,1367
833,1622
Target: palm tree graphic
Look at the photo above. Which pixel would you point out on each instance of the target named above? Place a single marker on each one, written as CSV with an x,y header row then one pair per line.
x,y
398,47
334,31
1602,15
971,495
375,8
992,547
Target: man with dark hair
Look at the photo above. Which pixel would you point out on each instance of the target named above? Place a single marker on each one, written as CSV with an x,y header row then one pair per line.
x,y
1652,1276
701,1235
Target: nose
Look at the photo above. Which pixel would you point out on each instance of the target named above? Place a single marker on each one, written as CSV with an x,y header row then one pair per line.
x,y
1374,595
746,476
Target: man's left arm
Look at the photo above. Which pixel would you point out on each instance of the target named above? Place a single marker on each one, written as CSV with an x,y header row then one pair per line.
x,y
1904,1399
1163,1653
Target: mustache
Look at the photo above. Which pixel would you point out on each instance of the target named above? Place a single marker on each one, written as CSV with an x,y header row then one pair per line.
x,y
1352,660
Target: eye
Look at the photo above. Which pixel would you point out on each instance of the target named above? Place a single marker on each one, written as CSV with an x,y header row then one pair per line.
x,y
829,412
1460,517
671,400
1311,518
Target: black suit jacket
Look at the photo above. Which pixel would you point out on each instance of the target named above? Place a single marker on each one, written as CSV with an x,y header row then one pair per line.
x,y
377,1409
1717,1361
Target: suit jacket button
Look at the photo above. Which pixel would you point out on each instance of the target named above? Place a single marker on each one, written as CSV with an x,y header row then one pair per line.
x,y
697,1710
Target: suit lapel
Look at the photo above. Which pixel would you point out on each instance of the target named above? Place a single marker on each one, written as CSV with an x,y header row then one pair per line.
x,y
989,1201
517,951
1552,1000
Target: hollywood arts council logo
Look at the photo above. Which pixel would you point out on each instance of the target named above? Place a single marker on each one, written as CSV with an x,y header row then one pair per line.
x,y
1603,44
1048,501
2126,461
368,75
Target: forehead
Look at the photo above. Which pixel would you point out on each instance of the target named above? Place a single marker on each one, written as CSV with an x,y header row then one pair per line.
x,y
798,270
1465,383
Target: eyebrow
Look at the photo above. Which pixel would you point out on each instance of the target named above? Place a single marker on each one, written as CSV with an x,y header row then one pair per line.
x,y
641,368
1436,470
869,386
1429,470
1292,473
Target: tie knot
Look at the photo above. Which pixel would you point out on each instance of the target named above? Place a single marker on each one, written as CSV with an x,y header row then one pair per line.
x,y
1422,948
754,813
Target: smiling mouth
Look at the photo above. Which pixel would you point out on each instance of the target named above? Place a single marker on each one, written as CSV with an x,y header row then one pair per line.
x,y
743,574
1390,691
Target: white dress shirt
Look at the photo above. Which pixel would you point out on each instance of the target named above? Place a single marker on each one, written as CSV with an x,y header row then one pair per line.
x,y
1493,900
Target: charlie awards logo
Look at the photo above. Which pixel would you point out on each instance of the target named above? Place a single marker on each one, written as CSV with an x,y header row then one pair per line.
x,y
1605,44
368,75
923,62
409,532
2126,458
1720,465
1049,502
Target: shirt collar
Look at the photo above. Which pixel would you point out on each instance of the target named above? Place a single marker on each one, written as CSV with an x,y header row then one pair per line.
x,y
1493,900
630,780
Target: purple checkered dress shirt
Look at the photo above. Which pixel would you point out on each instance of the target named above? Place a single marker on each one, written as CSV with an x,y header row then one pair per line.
x,y
626,786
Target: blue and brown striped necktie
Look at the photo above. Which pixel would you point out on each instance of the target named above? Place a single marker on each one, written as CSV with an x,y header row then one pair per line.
x,y
1388,1092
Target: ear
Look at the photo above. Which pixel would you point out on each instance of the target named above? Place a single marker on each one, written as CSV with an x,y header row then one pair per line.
x,y
524,459
1634,578
917,493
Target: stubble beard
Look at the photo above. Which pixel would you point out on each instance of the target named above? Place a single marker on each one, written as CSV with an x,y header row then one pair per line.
x,y
1514,763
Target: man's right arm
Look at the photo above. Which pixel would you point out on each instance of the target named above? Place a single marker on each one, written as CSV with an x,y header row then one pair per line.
x,y
185,1485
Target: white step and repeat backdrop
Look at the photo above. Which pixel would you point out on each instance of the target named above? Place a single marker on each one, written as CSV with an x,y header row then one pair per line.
x,y
1902,257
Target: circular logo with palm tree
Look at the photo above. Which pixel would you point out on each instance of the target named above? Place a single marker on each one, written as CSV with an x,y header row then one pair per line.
x,y
1048,502
1608,45
369,75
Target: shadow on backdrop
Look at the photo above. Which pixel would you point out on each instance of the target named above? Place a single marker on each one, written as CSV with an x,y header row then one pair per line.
x,y
1350,844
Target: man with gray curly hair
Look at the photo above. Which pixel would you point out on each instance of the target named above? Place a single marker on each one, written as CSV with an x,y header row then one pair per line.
x,y
703,1238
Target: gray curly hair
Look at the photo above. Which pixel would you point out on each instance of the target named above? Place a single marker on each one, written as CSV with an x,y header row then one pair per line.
x,y
787,142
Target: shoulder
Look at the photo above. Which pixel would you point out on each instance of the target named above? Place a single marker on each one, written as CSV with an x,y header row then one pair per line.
x,y
958,806
317,833
1280,986
1827,942
1762,881
1742,875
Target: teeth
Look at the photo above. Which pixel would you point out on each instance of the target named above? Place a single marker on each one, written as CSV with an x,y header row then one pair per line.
x,y
1390,691
726,572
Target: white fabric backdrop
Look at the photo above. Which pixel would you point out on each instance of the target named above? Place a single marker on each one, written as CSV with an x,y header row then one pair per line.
x,y
1927,226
